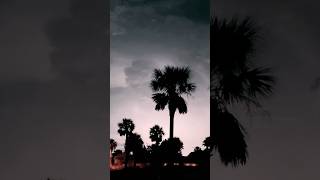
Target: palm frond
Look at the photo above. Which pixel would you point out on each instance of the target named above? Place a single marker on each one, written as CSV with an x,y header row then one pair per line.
x,y
183,74
231,87
172,80
181,105
234,79
232,43
258,82
229,139
161,100
186,88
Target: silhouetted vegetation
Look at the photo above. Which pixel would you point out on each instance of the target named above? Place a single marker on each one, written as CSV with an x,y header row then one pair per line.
x,y
135,146
208,144
125,129
235,79
199,156
154,152
156,133
113,146
165,173
163,159
117,152
170,150
168,86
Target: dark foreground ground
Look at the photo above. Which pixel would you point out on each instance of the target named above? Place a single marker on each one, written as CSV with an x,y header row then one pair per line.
x,y
178,173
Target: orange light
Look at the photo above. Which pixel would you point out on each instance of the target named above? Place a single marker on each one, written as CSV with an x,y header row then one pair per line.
x,y
191,164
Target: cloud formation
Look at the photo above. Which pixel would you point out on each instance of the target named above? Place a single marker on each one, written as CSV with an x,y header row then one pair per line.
x,y
53,100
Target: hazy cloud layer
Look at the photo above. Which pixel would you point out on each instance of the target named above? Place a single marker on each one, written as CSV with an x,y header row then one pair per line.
x,y
53,90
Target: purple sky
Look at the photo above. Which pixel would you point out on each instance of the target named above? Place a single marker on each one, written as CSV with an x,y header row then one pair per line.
x,y
143,38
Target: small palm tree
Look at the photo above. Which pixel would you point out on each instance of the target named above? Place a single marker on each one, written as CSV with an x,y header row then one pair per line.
x,y
156,134
126,128
169,85
234,79
207,143
113,145
135,145
197,149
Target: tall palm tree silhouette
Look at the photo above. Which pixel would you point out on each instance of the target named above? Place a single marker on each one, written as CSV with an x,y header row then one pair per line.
x,y
168,86
126,128
234,79
156,134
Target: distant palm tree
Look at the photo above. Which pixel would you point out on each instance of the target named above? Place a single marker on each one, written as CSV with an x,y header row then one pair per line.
x,y
207,143
156,134
126,128
113,145
234,79
135,145
168,86
197,148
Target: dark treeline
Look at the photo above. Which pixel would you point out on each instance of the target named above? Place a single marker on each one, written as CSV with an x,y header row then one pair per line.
x,y
160,153
169,86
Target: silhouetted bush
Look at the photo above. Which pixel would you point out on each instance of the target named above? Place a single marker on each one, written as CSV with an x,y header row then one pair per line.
x,y
170,150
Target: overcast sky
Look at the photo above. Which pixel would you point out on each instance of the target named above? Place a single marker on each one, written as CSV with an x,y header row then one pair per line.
x,y
284,145
151,34
53,89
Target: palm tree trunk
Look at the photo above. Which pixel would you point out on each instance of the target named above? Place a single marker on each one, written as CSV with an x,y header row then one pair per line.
x,y
171,114
126,152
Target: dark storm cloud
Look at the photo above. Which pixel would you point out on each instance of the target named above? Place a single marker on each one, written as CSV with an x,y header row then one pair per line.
x,y
78,49
140,32
24,46
144,31
195,10
278,146
316,84
53,90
